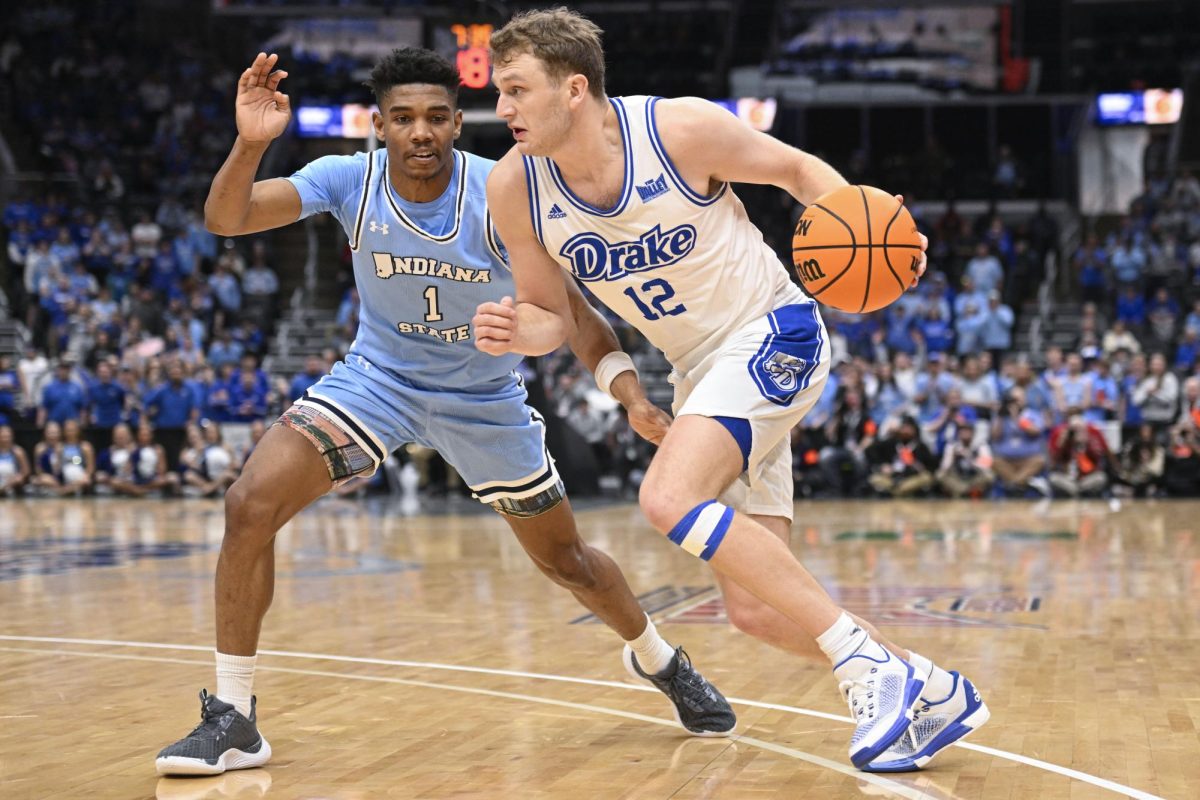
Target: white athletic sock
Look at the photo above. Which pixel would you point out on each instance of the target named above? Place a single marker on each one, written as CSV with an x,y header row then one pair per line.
x,y
938,685
845,638
652,651
235,681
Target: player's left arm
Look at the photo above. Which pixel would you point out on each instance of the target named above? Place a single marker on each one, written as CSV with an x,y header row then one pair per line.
x,y
709,145
595,343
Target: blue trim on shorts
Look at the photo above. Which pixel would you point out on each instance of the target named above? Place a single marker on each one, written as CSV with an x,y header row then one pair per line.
x,y
784,365
742,434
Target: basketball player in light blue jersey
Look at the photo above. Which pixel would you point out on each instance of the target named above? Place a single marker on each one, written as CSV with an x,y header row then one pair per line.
x,y
425,256
631,195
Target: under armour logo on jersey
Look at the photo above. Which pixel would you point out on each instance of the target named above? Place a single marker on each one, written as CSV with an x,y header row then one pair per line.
x,y
556,212
381,228
653,188
594,258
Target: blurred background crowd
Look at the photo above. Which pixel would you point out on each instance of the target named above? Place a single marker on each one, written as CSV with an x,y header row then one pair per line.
x,y
1053,349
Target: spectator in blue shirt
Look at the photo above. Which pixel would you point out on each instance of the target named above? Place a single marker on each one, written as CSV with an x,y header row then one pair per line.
x,y
1128,262
314,368
169,408
995,329
247,399
1131,307
249,363
1106,394
10,387
937,331
224,350
1188,350
165,270
901,327
65,249
984,270
106,399
62,399
226,290
172,404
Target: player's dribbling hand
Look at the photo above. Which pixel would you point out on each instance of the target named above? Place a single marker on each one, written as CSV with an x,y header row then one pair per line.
x,y
495,326
924,256
649,421
261,110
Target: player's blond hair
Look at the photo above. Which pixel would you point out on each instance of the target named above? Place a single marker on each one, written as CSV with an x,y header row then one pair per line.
x,y
566,42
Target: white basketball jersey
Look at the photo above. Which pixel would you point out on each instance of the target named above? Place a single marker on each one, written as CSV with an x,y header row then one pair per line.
x,y
685,269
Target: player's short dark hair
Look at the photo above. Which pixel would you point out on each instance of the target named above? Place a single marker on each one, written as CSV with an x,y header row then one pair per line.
x,y
412,65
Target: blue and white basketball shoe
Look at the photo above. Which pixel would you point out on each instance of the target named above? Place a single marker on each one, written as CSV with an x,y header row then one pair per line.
x,y
882,693
935,727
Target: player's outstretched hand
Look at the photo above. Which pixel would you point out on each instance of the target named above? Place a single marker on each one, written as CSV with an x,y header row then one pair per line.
x,y
924,256
495,326
649,421
262,111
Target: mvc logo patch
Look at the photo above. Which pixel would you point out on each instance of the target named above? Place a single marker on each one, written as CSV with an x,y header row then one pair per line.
x,y
653,188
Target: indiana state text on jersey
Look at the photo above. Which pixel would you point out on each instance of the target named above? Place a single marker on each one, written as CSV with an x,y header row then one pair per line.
x,y
389,266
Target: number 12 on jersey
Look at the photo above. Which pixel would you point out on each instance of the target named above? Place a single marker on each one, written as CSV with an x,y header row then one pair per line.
x,y
656,292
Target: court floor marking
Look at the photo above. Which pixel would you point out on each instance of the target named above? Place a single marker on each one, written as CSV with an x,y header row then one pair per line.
x,y
896,788
1102,783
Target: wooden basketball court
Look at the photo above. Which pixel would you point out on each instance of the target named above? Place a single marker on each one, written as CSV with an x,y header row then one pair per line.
x,y
425,657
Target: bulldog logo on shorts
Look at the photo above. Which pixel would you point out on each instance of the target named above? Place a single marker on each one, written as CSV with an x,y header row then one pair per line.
x,y
784,370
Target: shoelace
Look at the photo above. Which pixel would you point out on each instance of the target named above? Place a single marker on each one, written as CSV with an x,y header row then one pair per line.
x,y
852,697
208,715
686,682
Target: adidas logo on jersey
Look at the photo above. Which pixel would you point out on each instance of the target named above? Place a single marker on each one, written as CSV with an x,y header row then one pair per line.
x,y
556,212
653,188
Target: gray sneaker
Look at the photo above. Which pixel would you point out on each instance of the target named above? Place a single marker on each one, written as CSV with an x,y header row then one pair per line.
x,y
223,740
698,706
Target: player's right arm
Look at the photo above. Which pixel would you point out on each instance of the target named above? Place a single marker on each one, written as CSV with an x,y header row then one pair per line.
x,y
236,203
540,319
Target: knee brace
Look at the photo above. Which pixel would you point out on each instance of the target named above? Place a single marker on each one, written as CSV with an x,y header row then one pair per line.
x,y
701,530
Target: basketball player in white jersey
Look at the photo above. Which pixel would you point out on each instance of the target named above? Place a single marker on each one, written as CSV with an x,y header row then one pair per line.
x,y
631,195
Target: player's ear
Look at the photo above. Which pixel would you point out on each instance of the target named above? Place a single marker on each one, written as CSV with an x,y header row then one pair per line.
x,y
577,89
377,124
458,118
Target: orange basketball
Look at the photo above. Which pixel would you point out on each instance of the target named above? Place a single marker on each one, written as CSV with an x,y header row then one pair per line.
x,y
856,249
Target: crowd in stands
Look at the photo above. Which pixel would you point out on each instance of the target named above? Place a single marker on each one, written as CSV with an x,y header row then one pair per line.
x,y
148,333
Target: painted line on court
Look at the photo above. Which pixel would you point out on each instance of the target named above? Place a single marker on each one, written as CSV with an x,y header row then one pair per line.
x,y
1102,783
897,789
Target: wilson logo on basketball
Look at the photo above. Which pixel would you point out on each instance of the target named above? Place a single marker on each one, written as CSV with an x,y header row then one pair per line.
x,y
810,270
594,258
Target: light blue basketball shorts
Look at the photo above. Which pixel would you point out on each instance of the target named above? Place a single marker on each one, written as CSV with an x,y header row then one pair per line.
x,y
495,441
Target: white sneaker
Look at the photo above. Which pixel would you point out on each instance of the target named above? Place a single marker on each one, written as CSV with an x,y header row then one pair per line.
x,y
881,695
935,727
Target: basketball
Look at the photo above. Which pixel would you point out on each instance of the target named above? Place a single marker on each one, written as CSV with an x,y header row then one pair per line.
x,y
856,249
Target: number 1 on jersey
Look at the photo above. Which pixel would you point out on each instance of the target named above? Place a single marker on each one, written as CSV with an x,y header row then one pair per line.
x,y
431,301
657,300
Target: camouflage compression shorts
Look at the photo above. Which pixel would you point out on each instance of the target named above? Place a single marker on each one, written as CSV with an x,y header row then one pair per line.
x,y
343,456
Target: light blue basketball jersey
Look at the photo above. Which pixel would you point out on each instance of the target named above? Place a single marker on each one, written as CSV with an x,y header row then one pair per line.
x,y
421,268
413,373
